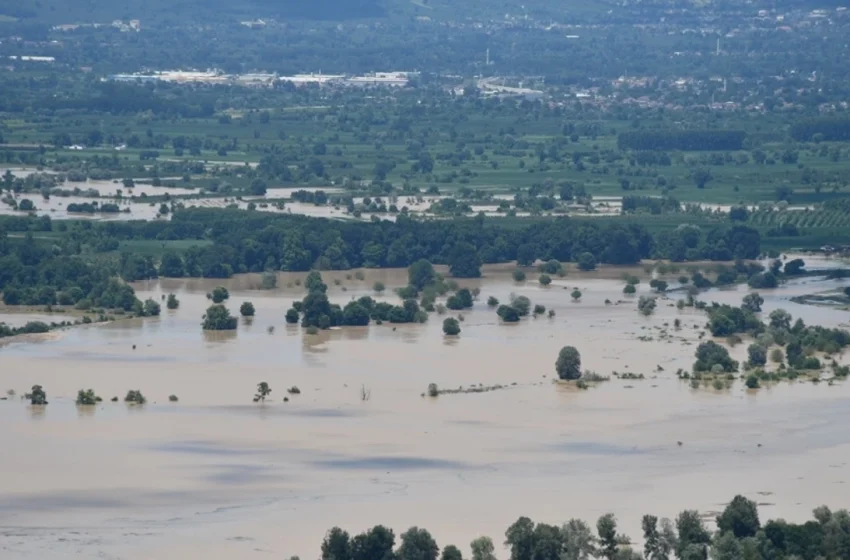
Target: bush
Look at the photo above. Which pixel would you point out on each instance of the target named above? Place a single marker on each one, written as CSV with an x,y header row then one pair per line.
x,y
539,309
576,294
172,398
492,302
172,302
752,381
433,390
379,287
629,289
545,280
519,275
777,356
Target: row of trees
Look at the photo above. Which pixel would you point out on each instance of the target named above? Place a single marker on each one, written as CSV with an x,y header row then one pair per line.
x,y
740,535
253,242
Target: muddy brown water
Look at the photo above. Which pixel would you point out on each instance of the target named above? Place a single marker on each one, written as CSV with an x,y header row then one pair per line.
x,y
217,476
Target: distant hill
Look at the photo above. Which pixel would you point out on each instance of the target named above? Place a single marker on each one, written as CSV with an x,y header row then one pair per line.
x,y
85,11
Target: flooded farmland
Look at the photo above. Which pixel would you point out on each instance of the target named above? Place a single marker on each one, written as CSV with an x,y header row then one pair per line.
x,y
217,476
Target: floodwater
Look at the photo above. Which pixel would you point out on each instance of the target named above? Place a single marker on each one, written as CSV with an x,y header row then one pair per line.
x,y
217,476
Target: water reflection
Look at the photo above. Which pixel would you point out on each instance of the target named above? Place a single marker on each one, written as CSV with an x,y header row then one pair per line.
x,y
85,411
37,412
219,337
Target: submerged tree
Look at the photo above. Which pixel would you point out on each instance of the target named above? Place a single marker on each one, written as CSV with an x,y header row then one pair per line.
x,y
263,391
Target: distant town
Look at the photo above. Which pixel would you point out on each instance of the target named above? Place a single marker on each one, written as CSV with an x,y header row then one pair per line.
x,y
383,79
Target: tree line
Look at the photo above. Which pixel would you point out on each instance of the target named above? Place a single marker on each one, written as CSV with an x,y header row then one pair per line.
x,y
740,535
254,242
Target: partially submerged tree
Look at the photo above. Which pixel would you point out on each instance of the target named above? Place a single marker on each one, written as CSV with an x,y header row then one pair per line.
x,y
757,355
87,398
172,302
292,316
451,327
421,274
135,397
247,309
37,396
568,364
752,302
218,318
219,294
646,305
263,391
151,308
